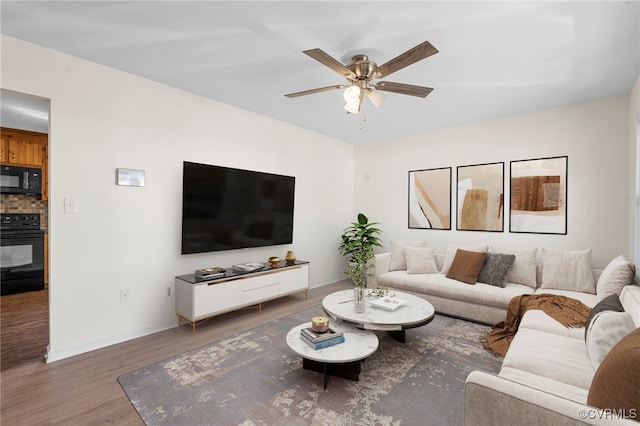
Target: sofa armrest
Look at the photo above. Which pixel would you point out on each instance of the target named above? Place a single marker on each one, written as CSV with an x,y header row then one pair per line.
x,y
383,263
493,400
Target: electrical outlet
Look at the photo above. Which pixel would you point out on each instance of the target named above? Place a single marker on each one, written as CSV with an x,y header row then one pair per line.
x,y
124,294
70,205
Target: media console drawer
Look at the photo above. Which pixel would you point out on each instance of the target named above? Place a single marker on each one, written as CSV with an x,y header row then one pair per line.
x,y
261,293
260,281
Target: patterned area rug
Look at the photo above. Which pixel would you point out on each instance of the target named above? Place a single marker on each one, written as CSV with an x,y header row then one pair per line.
x,y
253,378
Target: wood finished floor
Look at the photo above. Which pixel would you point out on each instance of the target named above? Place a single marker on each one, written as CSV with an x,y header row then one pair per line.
x,y
84,389
24,328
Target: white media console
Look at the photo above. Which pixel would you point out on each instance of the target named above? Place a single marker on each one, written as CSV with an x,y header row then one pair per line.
x,y
200,299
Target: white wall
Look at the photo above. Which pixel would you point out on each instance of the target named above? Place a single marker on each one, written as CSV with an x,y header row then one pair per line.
x,y
125,237
634,156
593,135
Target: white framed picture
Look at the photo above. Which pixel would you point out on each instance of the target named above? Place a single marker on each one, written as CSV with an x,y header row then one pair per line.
x,y
129,177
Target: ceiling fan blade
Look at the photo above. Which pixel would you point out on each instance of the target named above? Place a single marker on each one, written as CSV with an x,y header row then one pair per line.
x,y
404,89
322,57
418,53
312,91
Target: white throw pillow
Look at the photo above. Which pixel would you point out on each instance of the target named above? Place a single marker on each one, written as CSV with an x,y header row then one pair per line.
x,y
605,330
451,253
398,261
420,260
523,270
617,274
568,270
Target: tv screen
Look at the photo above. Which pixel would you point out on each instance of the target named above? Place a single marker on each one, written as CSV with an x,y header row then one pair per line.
x,y
225,208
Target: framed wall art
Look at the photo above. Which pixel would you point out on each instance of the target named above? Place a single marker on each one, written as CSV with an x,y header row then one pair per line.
x,y
129,177
480,197
539,196
430,198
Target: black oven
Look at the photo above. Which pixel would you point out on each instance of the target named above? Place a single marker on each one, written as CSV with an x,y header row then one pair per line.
x,y
21,253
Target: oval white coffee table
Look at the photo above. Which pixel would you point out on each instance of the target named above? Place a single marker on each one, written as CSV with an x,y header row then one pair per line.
x,y
341,360
416,312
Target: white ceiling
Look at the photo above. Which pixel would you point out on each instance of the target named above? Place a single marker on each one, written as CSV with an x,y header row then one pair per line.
x,y
496,58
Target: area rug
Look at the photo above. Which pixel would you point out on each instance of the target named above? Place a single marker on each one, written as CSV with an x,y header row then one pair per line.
x,y
253,378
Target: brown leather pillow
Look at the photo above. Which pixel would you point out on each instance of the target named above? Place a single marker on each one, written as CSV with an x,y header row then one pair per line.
x,y
466,266
615,385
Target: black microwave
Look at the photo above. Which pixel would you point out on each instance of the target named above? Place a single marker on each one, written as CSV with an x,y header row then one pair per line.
x,y
20,180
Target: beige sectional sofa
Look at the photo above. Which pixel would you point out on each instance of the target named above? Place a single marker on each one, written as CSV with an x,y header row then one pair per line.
x,y
550,371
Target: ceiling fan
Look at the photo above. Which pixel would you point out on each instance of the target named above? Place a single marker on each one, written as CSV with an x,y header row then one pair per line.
x,y
361,72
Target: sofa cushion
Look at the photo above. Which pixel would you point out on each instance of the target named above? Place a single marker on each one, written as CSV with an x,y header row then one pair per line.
x,y
568,270
615,383
523,270
495,269
606,329
536,319
550,355
617,274
466,266
545,384
420,260
398,260
588,299
609,303
451,253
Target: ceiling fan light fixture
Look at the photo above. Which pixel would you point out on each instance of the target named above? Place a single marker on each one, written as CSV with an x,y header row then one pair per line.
x,y
375,97
353,107
351,94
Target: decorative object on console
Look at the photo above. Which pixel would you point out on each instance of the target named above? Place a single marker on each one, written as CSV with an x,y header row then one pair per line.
x,y
539,196
247,267
213,272
430,198
290,256
274,261
480,197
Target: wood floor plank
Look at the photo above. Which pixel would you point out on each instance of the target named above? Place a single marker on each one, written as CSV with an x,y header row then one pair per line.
x,y
84,389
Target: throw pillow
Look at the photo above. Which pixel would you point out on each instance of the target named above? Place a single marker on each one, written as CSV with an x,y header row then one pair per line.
x,y
615,384
451,253
605,331
420,260
617,274
524,267
609,303
398,260
568,270
495,269
466,266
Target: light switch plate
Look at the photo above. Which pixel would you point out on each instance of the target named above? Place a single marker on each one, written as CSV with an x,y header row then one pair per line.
x,y
71,205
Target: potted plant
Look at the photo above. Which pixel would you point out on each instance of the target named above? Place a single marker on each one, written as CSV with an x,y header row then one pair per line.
x,y
357,243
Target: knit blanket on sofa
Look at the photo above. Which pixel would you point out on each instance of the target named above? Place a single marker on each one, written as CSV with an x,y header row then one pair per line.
x,y
567,311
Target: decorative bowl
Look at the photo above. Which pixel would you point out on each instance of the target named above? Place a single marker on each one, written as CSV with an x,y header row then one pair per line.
x,y
274,261
319,324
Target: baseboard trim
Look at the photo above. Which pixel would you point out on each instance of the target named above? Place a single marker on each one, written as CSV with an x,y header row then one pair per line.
x,y
54,355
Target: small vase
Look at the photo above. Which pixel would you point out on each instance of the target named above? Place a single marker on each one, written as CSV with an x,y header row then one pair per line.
x,y
290,257
358,300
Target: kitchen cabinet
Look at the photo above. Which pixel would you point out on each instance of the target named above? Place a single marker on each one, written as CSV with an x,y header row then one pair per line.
x,y
28,149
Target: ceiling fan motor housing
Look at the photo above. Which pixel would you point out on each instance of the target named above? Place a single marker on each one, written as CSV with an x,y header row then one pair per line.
x,y
362,67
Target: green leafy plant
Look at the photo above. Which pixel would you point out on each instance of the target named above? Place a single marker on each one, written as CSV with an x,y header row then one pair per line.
x,y
357,243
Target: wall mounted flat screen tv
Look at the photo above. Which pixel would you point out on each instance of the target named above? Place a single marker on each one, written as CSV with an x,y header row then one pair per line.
x,y
225,208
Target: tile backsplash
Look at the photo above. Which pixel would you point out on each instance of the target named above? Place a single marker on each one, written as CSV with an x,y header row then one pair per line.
x,y
20,203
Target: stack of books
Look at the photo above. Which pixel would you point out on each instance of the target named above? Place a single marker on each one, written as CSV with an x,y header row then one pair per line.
x,y
214,272
321,340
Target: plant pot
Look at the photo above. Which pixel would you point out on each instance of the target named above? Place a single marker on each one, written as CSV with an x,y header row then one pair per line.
x,y
358,299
